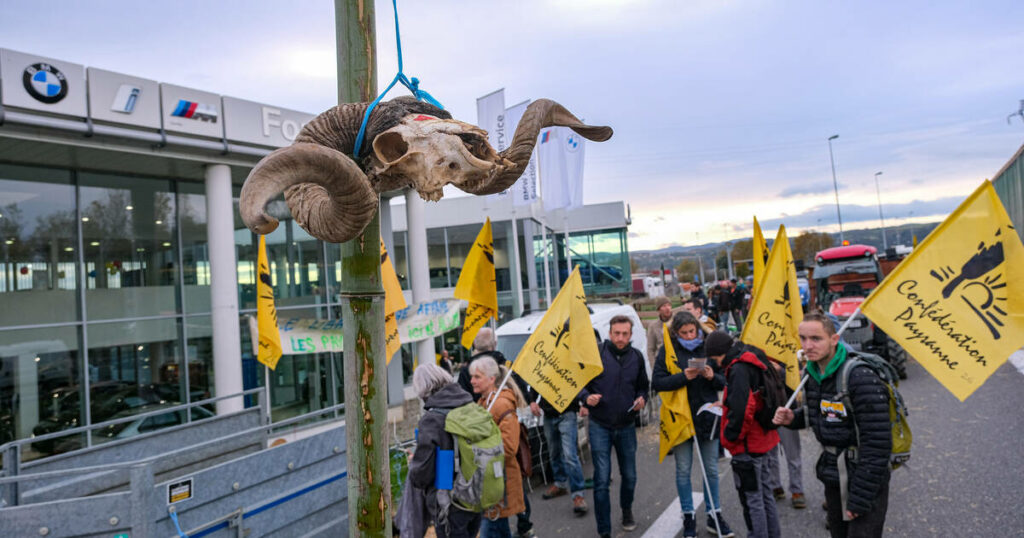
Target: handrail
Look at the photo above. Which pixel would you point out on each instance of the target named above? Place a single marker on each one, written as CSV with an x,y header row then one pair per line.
x,y
189,448
132,418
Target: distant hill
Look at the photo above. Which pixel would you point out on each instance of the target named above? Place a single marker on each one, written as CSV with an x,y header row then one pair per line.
x,y
649,260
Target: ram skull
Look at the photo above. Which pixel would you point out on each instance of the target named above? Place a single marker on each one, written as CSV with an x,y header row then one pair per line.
x,y
412,144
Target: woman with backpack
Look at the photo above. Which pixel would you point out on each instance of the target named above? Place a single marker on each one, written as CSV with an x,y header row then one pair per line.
x,y
486,375
439,394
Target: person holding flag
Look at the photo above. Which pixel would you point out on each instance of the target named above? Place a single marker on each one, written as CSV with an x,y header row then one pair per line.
x,y
687,383
477,285
854,462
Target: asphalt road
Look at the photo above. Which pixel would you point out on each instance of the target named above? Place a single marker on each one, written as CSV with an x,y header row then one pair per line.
x,y
965,477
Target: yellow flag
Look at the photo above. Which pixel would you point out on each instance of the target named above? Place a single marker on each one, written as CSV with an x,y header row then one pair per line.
x,y
477,285
393,302
760,253
676,419
956,304
561,355
775,312
266,315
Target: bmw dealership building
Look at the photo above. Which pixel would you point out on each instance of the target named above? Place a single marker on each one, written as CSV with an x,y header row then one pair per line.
x,y
126,275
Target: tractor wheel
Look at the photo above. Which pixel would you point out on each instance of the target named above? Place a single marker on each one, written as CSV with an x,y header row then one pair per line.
x,y
897,357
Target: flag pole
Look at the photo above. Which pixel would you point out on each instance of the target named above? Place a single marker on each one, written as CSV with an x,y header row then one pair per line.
x,y
709,501
838,333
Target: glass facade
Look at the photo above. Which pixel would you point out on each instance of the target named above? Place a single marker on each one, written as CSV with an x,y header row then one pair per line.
x,y
105,287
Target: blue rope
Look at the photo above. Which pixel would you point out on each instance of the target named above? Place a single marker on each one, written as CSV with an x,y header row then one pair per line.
x,y
413,86
177,527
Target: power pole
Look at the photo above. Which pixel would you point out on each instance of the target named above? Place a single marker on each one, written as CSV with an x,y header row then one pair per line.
x,y
362,304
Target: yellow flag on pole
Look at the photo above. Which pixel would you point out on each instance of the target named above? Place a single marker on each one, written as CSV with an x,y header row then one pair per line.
x,y
394,301
775,312
676,419
760,253
477,285
956,304
561,355
266,314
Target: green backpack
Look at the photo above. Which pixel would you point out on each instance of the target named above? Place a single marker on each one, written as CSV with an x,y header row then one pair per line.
x,y
901,436
479,458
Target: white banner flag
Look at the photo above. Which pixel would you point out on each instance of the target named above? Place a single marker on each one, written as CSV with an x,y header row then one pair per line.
x,y
560,152
490,116
524,191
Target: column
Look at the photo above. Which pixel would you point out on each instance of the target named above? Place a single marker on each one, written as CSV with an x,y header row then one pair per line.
x,y
529,229
419,265
220,233
515,268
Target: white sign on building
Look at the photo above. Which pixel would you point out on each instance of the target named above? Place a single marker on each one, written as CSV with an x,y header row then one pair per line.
x,y
39,83
260,124
120,98
191,111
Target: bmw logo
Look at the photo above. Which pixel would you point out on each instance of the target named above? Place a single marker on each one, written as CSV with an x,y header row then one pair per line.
x,y
572,142
45,83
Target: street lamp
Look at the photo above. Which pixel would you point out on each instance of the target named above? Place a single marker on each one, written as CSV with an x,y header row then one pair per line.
x,y
835,184
885,243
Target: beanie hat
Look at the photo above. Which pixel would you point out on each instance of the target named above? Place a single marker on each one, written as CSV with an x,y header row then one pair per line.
x,y
717,343
662,300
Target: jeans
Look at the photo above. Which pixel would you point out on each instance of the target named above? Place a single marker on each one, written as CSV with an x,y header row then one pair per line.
x,y
790,448
602,440
561,434
750,474
497,528
684,462
869,525
523,523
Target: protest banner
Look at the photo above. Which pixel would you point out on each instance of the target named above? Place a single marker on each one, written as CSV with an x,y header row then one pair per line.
x,y
477,285
775,312
954,304
268,340
393,302
415,322
676,425
561,355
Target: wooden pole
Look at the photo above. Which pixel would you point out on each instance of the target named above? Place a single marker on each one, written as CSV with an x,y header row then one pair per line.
x,y
362,304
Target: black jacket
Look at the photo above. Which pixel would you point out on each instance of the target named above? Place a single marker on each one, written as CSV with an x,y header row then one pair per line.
x,y
870,401
699,390
623,380
432,437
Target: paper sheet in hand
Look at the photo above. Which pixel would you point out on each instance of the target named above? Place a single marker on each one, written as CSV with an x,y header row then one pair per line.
x,y
710,407
697,363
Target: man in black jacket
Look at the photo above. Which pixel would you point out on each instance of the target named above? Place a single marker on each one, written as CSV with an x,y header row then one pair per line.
x,y
854,470
614,397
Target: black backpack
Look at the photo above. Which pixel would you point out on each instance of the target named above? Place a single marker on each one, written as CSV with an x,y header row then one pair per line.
x,y
773,390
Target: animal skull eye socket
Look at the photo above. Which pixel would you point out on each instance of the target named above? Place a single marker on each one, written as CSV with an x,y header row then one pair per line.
x,y
390,146
475,144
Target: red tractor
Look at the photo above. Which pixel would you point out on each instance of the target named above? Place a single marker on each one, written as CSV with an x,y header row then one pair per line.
x,y
842,278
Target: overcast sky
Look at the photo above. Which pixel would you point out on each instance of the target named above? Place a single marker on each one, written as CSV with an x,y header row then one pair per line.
x,y
721,109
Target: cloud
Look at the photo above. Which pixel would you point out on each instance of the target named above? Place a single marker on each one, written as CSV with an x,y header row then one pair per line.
x,y
825,214
809,188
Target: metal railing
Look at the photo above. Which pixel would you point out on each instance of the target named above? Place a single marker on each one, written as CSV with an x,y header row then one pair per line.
x,y
11,474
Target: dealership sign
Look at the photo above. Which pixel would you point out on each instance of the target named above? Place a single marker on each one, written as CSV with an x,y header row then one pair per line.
x,y
38,83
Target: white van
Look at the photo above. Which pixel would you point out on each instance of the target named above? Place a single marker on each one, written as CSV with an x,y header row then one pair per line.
x,y
512,335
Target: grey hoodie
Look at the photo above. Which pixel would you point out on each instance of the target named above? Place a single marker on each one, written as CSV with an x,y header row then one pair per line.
x,y
431,437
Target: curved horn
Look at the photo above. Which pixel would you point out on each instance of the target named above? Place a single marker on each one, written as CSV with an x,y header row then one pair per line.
x,y
329,196
540,114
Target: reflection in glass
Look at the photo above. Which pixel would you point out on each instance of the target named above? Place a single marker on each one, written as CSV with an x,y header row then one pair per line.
x,y
38,246
40,377
133,365
194,247
129,237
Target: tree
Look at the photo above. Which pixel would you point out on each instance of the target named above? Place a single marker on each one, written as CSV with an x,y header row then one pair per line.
x,y
634,267
686,270
743,251
807,244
